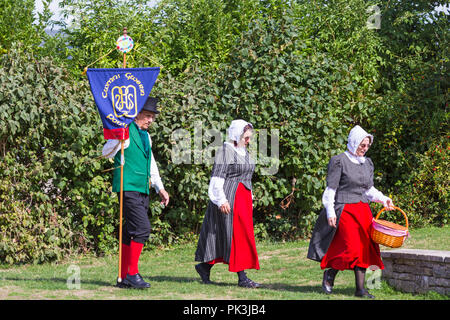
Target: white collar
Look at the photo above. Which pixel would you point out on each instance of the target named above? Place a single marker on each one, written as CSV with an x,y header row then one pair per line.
x,y
355,159
240,151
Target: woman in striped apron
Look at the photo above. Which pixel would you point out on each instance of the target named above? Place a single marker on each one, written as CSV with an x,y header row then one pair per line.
x,y
227,233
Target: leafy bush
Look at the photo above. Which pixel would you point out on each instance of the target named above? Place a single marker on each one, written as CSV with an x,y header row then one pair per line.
x,y
275,82
53,198
174,34
413,119
16,23
425,195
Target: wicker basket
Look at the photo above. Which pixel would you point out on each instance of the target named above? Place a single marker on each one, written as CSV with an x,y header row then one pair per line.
x,y
394,234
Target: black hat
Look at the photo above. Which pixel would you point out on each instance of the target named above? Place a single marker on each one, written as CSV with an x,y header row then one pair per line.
x,y
150,105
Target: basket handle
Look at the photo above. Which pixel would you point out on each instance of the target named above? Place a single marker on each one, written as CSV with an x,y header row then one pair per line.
x,y
397,208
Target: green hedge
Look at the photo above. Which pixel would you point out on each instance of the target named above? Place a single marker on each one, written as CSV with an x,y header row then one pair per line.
x,y
54,199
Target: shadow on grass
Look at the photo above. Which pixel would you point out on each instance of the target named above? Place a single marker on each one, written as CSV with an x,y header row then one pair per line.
x,y
56,280
188,280
112,283
305,288
269,286
170,279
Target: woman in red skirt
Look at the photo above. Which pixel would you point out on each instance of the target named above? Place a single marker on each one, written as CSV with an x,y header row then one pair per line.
x,y
227,234
341,237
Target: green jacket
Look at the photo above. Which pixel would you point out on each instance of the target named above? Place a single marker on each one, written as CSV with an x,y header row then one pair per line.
x,y
136,171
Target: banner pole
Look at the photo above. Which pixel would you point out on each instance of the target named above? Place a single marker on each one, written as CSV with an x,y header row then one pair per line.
x,y
122,161
124,54
119,279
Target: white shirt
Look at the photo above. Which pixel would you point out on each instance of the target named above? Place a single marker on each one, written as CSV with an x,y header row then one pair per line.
x,y
112,146
372,193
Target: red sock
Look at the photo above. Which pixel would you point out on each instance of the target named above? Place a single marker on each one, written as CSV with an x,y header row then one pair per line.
x,y
125,260
135,253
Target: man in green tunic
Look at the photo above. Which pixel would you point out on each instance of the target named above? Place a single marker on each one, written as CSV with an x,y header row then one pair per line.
x,y
140,172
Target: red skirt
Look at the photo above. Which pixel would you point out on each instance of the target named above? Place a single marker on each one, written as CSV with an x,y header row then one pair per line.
x,y
352,246
243,248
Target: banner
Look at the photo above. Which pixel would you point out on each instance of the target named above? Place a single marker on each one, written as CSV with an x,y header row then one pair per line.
x,y
120,95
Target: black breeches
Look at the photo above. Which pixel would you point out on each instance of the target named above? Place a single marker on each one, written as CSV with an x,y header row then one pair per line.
x,y
136,224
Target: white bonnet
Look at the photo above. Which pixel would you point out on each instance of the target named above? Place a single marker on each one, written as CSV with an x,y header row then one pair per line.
x,y
356,135
236,129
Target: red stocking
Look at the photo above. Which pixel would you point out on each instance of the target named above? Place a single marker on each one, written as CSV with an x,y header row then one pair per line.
x,y
135,253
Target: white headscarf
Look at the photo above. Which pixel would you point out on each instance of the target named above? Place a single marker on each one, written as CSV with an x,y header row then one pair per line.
x,y
356,135
236,129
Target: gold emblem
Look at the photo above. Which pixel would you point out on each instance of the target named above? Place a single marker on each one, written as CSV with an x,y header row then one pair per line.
x,y
124,101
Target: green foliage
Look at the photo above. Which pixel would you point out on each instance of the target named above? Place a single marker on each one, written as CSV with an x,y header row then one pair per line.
x,y
414,117
96,27
271,74
53,197
198,32
16,22
175,34
275,81
415,86
339,28
20,23
425,195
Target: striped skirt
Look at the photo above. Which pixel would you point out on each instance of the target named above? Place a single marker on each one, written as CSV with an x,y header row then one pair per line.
x,y
242,253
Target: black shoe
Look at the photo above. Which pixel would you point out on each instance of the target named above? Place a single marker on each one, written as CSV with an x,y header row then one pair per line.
x,y
328,281
204,274
247,283
135,282
364,294
121,284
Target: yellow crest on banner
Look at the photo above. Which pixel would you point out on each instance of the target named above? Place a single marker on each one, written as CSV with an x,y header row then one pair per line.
x,y
124,101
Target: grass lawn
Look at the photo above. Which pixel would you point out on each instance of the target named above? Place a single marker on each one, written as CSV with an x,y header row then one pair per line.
x,y
286,274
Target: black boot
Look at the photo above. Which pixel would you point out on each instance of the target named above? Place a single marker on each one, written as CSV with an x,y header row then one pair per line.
x,y
328,280
246,282
135,282
204,269
364,294
360,275
121,284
